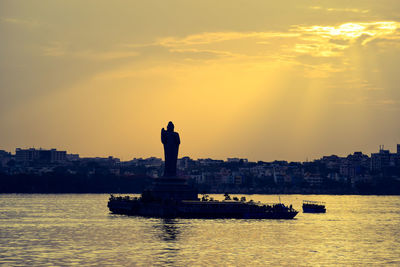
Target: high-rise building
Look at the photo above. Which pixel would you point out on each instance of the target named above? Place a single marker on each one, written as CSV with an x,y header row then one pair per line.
x,y
4,157
380,160
40,155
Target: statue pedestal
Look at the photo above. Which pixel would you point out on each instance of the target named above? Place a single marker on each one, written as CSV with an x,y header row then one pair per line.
x,y
172,188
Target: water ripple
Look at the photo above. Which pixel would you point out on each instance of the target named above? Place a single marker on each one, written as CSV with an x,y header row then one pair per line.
x,y
49,230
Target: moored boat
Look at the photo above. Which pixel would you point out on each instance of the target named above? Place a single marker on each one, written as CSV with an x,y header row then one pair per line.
x,y
313,206
203,209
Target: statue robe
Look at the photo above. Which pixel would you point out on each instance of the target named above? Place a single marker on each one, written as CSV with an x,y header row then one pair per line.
x,y
171,141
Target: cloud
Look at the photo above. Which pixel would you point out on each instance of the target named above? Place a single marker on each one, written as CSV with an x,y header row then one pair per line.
x,y
107,55
316,51
357,84
57,49
315,40
368,101
339,34
204,53
330,9
20,22
215,37
351,31
54,49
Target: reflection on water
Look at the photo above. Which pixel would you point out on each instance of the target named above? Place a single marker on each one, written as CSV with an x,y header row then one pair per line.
x,y
169,229
53,230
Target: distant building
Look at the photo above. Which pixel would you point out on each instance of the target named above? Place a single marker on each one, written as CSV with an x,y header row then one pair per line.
x,y
225,176
184,163
209,162
381,160
72,157
331,162
335,176
152,173
237,160
5,157
108,161
197,177
313,180
4,154
153,162
40,155
354,165
237,178
360,178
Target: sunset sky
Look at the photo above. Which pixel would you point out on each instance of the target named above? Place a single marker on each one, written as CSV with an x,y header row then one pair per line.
x,y
263,80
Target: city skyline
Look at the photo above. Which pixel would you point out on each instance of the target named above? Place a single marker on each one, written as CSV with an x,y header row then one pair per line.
x,y
356,173
390,147
77,155
262,80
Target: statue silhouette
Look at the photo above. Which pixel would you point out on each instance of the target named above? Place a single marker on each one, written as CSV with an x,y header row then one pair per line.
x,y
171,141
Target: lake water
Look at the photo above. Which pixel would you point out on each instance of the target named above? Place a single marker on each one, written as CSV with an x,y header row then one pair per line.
x,y
65,230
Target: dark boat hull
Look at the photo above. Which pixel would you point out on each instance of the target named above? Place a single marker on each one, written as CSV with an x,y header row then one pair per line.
x,y
314,210
199,209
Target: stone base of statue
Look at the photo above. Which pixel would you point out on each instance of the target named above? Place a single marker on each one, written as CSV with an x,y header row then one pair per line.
x,y
172,188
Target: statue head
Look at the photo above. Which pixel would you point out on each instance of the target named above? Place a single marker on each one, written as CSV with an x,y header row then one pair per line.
x,y
170,127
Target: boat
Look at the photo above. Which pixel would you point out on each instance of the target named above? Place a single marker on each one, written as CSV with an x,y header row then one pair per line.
x,y
202,209
172,197
313,206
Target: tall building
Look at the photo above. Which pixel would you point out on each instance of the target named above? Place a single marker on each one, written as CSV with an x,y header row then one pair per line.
x,y
5,154
398,149
40,155
237,160
4,157
381,160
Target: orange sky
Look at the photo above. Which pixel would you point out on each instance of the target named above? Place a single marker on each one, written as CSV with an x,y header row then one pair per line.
x,y
262,80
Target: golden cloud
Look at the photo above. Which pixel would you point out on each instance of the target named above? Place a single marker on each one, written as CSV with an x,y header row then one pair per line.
x,y
316,40
352,31
57,49
21,22
330,9
215,37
